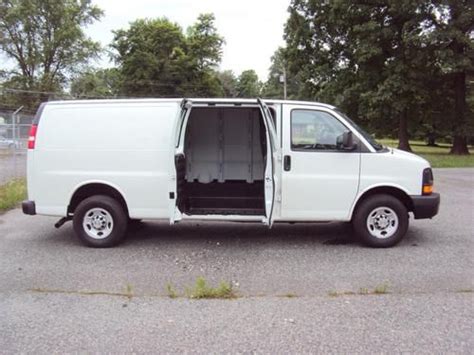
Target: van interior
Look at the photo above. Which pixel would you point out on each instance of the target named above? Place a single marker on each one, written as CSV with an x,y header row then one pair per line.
x,y
222,169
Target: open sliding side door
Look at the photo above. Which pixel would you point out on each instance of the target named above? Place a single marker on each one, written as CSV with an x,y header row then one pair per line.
x,y
271,180
178,162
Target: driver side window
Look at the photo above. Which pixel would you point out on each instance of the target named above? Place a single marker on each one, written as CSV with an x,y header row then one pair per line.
x,y
315,130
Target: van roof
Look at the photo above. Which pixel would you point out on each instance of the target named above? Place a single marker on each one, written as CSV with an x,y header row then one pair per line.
x,y
197,100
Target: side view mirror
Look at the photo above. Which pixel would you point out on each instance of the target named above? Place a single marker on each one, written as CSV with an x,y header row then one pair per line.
x,y
345,142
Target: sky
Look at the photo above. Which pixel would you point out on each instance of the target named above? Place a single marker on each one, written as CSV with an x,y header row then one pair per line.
x,y
253,29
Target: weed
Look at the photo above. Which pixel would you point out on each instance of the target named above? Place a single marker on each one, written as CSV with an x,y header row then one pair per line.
x,y
340,293
129,291
380,289
202,290
171,291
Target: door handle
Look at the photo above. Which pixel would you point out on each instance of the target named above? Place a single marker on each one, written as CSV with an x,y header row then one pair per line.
x,y
287,163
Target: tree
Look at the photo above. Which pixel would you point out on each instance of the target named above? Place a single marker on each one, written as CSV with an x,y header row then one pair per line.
x,y
248,84
151,56
370,59
205,50
102,83
46,40
228,83
454,41
155,58
205,43
280,66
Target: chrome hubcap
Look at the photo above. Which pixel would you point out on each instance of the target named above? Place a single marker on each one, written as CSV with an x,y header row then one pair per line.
x,y
382,222
98,223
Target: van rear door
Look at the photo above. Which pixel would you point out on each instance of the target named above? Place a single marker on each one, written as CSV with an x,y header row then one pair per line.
x,y
178,163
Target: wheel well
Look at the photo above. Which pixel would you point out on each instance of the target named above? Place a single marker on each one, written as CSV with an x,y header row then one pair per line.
x,y
387,190
95,189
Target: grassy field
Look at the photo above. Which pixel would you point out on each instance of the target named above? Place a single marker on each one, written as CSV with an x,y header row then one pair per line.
x,y
12,193
439,157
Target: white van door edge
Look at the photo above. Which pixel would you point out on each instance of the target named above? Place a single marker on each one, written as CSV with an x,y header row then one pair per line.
x,y
177,152
270,179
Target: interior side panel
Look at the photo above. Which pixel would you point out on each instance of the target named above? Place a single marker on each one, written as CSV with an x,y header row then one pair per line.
x,y
203,146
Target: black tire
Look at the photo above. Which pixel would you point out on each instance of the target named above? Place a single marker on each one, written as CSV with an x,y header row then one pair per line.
x,y
114,209
368,206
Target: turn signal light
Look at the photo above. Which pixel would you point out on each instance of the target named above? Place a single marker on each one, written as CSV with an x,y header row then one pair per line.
x,y
427,189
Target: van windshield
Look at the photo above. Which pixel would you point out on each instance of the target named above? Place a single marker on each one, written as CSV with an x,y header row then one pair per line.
x,y
376,145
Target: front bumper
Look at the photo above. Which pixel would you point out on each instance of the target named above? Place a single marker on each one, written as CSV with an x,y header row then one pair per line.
x,y
425,206
28,207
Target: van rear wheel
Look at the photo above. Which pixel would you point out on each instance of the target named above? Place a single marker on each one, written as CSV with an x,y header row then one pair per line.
x,y
100,222
380,221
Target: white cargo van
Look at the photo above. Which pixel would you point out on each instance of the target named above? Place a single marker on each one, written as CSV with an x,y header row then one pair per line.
x,y
107,163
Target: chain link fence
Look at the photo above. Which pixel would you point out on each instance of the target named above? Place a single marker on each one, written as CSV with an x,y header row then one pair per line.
x,y
14,129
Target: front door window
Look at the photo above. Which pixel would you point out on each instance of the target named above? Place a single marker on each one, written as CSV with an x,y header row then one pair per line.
x,y
315,130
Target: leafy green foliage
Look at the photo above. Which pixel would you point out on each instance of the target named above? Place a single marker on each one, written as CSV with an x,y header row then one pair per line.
x,y
273,87
96,84
248,84
46,41
205,44
453,39
385,62
151,57
228,83
156,59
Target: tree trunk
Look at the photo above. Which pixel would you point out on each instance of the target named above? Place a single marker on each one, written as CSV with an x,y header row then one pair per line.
x,y
459,146
403,142
459,138
431,138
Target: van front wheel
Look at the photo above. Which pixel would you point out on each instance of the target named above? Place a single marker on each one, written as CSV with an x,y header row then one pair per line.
x,y
100,222
381,221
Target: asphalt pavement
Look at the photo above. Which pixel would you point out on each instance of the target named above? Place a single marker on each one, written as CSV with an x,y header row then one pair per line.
x,y
302,287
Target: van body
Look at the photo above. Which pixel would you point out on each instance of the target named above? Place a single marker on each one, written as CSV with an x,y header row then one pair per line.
x,y
108,163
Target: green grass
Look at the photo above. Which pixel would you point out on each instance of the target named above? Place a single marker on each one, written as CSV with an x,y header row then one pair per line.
x,y
12,193
438,157
202,290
